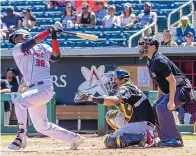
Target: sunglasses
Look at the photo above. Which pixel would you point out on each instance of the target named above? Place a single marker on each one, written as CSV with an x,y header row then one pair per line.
x,y
189,36
84,8
141,43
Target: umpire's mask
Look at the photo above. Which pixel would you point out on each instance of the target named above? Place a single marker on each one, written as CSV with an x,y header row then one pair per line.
x,y
144,42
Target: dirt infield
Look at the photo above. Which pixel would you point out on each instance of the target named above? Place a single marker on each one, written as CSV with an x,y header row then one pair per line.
x,y
93,146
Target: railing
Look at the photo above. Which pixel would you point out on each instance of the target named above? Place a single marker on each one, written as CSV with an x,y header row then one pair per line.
x,y
181,14
141,31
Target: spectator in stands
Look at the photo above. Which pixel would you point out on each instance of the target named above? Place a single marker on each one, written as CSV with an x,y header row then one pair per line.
x,y
167,40
189,40
11,78
128,18
69,18
101,13
86,18
27,21
147,18
92,5
3,30
183,28
110,19
57,3
12,18
5,88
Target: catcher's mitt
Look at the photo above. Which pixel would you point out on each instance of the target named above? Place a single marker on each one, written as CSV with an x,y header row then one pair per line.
x,y
81,96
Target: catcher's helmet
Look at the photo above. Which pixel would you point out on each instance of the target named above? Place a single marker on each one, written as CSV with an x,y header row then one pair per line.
x,y
144,42
110,79
122,74
25,35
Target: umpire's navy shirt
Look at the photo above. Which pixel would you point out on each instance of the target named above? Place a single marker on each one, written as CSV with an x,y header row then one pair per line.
x,y
160,67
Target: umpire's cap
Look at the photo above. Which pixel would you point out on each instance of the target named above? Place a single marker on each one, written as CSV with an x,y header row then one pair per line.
x,y
25,35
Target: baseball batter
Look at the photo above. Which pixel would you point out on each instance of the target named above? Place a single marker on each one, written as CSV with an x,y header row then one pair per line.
x,y
33,59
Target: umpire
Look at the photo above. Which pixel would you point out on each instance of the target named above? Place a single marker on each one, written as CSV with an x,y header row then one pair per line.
x,y
174,90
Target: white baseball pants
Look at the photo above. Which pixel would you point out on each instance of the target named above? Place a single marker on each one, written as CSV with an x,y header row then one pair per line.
x,y
35,99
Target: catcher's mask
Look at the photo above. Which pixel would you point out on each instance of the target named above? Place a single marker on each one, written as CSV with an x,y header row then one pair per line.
x,y
110,79
25,35
144,43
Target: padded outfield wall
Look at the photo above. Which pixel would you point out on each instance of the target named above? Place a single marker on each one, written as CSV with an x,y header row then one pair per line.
x,y
74,68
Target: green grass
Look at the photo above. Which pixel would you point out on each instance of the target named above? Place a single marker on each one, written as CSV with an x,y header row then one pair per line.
x,y
7,137
189,137
11,137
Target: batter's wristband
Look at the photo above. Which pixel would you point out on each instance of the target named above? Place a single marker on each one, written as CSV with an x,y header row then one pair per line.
x,y
55,46
98,100
43,34
53,35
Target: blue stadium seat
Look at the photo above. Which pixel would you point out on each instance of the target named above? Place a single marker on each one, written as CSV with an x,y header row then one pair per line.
x,y
172,6
156,6
93,28
89,44
113,28
45,21
79,44
116,36
68,44
4,45
63,37
103,36
38,9
78,29
106,44
162,13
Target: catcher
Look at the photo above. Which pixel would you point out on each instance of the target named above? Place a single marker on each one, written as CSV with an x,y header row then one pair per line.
x,y
133,120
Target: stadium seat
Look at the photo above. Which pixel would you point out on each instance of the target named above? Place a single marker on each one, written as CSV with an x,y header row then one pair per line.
x,y
89,44
68,44
77,29
117,36
103,36
80,44
106,44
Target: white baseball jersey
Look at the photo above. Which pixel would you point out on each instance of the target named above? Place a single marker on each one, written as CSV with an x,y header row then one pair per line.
x,y
33,64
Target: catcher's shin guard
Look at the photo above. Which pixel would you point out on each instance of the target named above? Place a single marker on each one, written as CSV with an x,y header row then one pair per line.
x,y
115,118
124,140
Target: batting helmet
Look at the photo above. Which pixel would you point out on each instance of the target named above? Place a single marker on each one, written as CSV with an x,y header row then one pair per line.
x,y
25,35
144,42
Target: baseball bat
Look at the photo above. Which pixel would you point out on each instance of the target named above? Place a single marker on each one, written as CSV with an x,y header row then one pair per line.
x,y
82,35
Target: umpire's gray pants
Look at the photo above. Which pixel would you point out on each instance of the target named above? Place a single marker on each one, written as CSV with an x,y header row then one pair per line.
x,y
164,118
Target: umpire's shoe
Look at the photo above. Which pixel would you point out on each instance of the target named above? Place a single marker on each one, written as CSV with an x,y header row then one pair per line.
x,y
171,143
18,143
78,140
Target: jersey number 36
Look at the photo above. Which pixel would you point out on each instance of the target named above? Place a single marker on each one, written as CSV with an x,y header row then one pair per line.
x,y
40,63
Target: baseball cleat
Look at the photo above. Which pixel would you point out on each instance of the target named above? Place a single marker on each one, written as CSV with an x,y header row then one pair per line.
x,y
148,140
78,140
170,143
18,143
